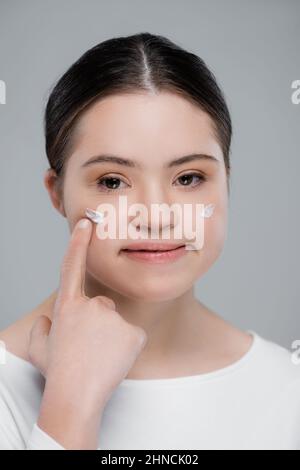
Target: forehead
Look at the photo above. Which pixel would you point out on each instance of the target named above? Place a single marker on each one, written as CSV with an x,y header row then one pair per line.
x,y
145,126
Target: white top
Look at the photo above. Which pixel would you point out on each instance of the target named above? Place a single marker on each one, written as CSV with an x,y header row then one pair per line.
x,y
254,403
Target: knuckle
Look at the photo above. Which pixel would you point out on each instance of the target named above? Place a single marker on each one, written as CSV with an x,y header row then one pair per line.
x,y
102,300
142,336
66,266
138,335
96,302
109,302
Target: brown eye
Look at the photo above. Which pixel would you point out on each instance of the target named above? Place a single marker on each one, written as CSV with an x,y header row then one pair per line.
x,y
188,178
110,183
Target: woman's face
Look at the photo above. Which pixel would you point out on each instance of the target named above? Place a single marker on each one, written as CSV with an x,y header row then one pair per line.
x,y
152,130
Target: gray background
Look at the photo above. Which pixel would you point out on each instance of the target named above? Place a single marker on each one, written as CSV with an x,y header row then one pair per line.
x,y
253,48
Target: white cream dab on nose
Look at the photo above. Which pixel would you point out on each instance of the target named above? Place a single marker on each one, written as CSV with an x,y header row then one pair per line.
x,y
95,216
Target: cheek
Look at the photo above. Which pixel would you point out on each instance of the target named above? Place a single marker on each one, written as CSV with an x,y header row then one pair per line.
x,y
100,254
215,227
77,198
75,210
215,233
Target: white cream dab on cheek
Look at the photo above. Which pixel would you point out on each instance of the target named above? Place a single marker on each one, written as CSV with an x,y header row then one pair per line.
x,y
208,210
95,216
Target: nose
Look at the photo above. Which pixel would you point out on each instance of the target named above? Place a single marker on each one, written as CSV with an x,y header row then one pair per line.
x,y
157,220
156,215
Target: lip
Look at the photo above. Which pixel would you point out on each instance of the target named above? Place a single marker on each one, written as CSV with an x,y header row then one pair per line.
x,y
166,252
153,246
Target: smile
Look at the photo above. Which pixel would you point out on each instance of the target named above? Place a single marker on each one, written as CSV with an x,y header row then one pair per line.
x,y
162,253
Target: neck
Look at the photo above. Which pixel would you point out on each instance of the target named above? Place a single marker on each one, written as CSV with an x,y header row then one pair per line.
x,y
166,323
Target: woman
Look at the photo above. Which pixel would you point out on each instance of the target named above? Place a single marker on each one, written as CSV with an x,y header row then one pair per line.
x,y
122,355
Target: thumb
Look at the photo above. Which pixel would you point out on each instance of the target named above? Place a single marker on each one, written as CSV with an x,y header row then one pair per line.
x,y
38,339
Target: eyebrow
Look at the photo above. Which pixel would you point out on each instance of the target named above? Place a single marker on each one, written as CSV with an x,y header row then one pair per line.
x,y
107,158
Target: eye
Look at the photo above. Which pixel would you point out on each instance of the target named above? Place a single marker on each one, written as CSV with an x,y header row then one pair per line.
x,y
109,183
187,179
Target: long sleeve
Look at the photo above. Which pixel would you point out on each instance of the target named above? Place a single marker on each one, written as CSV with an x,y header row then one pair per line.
x,y
40,440
12,430
15,432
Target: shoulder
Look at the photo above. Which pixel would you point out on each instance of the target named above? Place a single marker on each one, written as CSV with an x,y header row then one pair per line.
x,y
274,386
16,336
277,362
18,377
21,386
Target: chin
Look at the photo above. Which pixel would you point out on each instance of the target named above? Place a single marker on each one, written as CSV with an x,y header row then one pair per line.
x,y
154,290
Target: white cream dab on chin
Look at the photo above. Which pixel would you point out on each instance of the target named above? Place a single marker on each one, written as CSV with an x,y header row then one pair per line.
x,y
95,216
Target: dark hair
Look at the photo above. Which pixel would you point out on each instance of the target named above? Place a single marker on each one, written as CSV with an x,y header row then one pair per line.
x,y
140,62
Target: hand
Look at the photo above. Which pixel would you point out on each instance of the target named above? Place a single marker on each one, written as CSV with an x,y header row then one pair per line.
x,y
88,348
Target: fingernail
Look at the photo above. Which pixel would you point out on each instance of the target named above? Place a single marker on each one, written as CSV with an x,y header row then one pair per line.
x,y
83,223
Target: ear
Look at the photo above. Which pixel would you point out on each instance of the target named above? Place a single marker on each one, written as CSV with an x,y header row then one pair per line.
x,y
52,185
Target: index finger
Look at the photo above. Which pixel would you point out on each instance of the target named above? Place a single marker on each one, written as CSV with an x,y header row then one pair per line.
x,y
73,267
